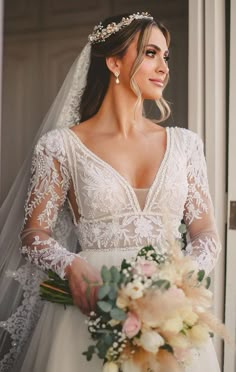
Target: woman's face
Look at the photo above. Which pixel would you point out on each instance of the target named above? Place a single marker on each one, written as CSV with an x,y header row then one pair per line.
x,y
153,70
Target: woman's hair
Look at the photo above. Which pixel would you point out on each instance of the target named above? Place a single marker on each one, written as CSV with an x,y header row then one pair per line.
x,y
117,45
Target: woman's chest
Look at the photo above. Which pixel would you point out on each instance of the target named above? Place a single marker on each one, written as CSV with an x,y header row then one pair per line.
x,y
137,158
101,191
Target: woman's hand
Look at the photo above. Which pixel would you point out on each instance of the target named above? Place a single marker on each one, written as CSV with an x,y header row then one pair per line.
x,y
81,275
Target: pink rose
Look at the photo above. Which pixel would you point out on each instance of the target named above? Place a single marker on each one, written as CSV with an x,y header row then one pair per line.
x,y
132,325
147,268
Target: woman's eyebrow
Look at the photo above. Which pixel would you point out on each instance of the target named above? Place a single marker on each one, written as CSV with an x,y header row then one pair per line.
x,y
158,48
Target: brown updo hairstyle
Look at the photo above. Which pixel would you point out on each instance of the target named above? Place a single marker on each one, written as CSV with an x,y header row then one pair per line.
x,y
117,45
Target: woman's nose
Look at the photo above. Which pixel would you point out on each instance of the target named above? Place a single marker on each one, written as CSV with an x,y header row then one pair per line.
x,y
162,65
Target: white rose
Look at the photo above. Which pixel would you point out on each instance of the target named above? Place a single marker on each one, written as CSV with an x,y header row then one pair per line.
x,y
134,289
199,334
129,366
173,325
122,302
189,317
110,367
180,341
151,341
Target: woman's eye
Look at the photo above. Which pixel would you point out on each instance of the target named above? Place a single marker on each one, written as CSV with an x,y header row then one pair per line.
x,y
150,53
166,59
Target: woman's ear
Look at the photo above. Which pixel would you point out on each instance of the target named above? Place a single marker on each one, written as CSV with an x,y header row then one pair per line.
x,y
113,64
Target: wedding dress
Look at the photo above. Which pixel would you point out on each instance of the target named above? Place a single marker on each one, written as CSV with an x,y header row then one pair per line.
x,y
111,221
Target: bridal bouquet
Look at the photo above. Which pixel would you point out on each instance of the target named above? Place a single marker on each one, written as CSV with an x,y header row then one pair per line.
x,y
152,312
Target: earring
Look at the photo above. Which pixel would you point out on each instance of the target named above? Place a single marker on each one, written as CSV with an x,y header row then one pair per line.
x,y
117,74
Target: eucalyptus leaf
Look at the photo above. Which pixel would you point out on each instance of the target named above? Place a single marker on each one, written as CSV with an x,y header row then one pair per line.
x,y
106,275
108,339
102,348
103,291
89,353
117,314
112,293
115,274
104,306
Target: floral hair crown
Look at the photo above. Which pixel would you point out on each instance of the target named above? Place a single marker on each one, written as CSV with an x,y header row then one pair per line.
x,y
101,33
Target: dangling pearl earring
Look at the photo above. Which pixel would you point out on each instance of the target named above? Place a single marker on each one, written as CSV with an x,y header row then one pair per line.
x,y
117,74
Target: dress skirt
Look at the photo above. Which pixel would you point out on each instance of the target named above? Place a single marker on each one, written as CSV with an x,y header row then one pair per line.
x,y
61,335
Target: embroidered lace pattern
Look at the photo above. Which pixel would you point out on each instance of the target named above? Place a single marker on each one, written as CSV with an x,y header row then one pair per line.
x,y
110,214
47,193
21,323
53,256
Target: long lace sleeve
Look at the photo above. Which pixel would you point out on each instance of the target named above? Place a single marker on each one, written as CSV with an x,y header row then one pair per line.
x,y
48,188
204,244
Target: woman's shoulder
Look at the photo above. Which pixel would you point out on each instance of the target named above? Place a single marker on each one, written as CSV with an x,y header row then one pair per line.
x,y
189,142
51,142
187,137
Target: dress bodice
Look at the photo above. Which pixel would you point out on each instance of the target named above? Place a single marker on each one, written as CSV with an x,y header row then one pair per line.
x,y
141,195
110,213
111,216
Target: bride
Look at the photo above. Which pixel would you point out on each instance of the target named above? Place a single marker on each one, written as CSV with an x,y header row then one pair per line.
x,y
114,183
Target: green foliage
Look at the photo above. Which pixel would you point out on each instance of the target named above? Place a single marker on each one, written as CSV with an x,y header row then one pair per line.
x,y
104,306
125,265
89,353
106,274
117,314
200,275
168,348
145,250
113,292
208,282
103,291
162,284
182,228
115,274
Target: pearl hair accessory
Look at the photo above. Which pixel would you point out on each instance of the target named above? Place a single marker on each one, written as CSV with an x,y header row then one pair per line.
x,y
101,33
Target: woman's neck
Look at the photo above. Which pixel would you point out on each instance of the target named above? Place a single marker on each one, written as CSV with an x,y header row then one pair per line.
x,y
120,111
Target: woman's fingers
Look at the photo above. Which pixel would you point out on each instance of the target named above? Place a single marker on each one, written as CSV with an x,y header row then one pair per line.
x,y
84,282
92,299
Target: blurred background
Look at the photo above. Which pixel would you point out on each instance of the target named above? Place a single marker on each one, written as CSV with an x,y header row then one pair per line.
x,y
41,40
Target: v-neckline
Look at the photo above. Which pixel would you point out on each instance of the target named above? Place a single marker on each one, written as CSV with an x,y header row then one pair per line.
x,y
122,178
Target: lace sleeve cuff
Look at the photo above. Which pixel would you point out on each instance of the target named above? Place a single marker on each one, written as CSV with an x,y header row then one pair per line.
x,y
48,255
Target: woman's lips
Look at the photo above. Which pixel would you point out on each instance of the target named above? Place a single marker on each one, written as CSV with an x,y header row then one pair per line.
x,y
157,82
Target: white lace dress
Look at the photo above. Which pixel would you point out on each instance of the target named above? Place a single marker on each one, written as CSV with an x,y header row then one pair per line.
x,y
111,221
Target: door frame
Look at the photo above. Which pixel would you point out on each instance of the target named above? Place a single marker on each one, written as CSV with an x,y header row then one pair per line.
x,y
230,298
207,117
